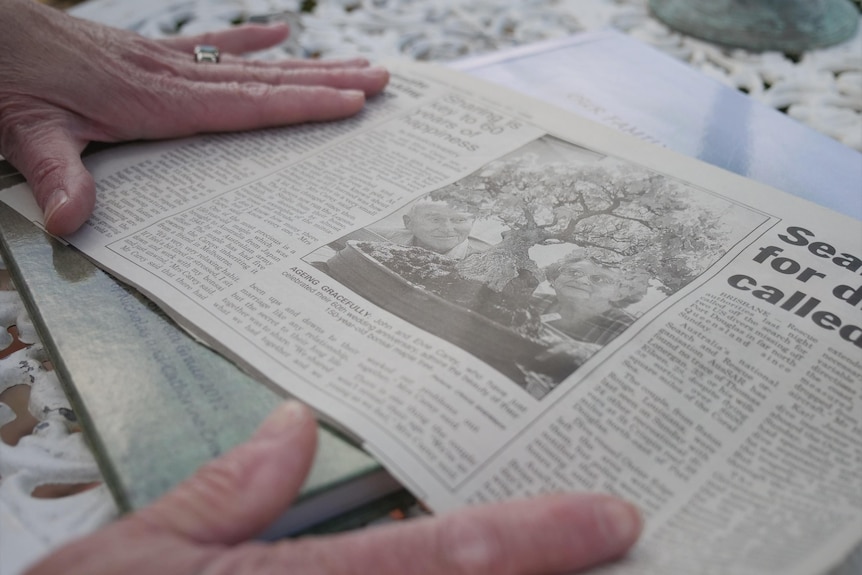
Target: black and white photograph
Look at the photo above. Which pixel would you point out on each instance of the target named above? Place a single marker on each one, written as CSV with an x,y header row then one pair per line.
x,y
540,258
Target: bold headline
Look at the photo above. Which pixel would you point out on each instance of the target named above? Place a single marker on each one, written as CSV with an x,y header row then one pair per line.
x,y
459,122
799,302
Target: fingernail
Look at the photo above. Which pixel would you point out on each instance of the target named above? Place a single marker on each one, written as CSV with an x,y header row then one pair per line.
x,y
281,420
353,95
619,522
56,201
375,71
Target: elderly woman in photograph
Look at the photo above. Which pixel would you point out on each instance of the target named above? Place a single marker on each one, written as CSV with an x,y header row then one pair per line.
x,y
591,298
586,312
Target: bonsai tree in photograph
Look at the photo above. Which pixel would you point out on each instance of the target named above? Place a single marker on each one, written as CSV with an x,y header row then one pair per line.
x,y
551,193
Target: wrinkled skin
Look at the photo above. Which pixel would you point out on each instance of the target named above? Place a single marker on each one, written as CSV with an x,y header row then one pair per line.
x,y
65,82
204,526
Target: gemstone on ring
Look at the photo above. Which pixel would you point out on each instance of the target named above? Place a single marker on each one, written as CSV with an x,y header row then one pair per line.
x,y
206,53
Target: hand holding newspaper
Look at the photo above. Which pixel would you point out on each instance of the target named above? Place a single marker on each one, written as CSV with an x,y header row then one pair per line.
x,y
500,299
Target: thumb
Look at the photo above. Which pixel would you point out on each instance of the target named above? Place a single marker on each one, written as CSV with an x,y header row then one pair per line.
x,y
238,495
49,157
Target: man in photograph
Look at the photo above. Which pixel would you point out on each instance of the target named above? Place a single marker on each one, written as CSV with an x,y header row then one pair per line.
x,y
439,227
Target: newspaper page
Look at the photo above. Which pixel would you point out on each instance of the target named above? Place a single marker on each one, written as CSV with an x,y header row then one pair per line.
x,y
500,299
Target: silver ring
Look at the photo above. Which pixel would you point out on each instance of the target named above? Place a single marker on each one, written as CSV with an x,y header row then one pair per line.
x,y
205,53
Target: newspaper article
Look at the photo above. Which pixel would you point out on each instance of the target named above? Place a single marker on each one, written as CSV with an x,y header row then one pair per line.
x,y
501,300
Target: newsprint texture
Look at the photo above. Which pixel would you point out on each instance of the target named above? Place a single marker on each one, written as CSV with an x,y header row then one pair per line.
x,y
499,299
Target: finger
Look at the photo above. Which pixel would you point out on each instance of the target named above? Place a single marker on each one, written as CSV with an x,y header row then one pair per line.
x,y
253,37
300,63
369,80
549,534
236,40
245,106
48,155
238,495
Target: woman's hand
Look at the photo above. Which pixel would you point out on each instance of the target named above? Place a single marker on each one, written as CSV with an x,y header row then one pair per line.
x,y
205,524
65,82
